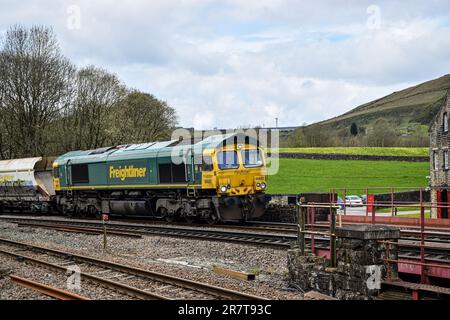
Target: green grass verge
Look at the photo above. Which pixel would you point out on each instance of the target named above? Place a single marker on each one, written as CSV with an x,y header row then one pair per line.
x,y
305,175
399,209
415,215
373,151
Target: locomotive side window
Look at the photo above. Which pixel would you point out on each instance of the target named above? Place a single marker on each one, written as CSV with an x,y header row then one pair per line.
x,y
178,172
252,158
227,160
169,172
80,173
165,173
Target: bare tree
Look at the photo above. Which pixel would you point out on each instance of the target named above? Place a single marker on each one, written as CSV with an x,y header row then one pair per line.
x,y
382,134
140,117
88,121
34,83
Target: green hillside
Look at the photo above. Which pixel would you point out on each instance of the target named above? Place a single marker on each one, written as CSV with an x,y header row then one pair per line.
x,y
371,151
421,98
403,117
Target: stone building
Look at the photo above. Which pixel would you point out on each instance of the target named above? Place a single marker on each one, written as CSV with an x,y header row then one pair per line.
x,y
439,162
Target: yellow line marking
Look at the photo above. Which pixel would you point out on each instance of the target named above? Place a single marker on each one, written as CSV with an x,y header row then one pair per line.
x,y
134,186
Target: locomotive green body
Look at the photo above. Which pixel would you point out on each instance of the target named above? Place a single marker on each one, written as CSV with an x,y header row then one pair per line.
x,y
165,180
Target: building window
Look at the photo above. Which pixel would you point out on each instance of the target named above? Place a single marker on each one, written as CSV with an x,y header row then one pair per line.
x,y
445,120
446,159
435,160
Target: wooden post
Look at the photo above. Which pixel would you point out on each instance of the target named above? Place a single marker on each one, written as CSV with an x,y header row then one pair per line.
x,y
105,218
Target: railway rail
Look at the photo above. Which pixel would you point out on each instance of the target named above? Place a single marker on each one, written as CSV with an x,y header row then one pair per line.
x,y
46,290
269,234
135,282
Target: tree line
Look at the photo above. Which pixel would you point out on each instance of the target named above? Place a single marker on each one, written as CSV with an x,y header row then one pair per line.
x,y
381,133
48,106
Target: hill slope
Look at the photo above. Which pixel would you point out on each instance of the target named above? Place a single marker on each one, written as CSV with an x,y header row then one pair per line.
x,y
407,112
418,98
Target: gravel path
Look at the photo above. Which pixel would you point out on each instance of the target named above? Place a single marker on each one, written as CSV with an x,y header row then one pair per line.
x,y
186,258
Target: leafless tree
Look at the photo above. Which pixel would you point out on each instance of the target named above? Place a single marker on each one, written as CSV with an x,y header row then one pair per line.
x,y
97,93
140,117
34,83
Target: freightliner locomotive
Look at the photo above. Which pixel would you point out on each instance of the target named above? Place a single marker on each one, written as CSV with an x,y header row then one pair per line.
x,y
220,178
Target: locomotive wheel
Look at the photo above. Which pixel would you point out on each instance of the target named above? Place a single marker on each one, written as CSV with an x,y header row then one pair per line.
x,y
190,219
93,212
212,218
166,215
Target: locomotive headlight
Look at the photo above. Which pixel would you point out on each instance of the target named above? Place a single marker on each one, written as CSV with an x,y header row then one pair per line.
x,y
263,185
223,189
258,185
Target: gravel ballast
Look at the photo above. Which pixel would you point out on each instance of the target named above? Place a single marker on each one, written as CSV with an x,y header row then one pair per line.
x,y
186,258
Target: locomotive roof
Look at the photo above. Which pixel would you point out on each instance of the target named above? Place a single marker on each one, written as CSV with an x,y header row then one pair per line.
x,y
155,149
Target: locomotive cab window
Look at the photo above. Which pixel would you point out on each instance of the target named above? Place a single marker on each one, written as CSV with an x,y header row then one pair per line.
x,y
227,160
80,173
252,158
207,163
203,163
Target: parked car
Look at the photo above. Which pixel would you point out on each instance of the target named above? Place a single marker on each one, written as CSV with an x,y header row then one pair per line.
x,y
364,198
353,201
340,203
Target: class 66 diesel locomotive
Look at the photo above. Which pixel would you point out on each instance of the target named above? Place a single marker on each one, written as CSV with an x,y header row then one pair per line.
x,y
220,178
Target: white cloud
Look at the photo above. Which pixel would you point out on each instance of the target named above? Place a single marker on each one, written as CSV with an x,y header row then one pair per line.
x,y
235,63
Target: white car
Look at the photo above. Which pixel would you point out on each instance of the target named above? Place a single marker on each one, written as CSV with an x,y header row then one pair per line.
x,y
353,201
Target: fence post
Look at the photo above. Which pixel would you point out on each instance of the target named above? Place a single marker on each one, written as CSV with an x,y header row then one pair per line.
x,y
313,219
373,212
392,202
345,202
422,240
333,236
301,225
367,198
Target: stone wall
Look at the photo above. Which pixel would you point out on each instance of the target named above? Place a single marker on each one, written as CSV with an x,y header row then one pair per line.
x,y
360,264
409,196
316,156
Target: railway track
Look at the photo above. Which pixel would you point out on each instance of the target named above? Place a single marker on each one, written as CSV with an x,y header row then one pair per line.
x,y
135,282
278,235
255,238
437,250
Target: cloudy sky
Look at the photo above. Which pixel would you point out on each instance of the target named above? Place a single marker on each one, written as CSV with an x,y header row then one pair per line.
x,y
236,63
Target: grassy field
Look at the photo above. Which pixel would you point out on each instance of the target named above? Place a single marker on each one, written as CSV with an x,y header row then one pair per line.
x,y
304,175
361,151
